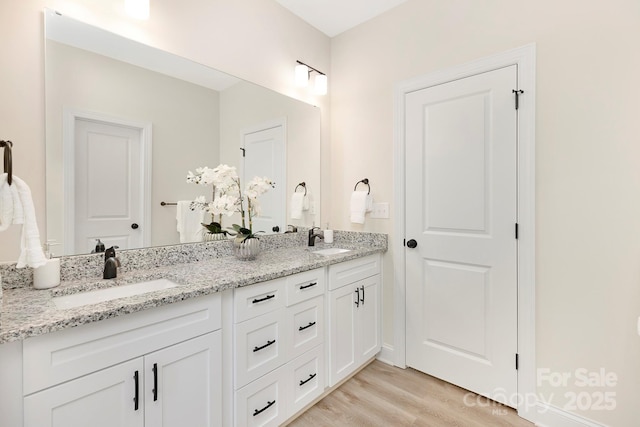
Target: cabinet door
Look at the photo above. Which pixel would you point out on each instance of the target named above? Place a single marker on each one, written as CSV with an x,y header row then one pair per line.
x,y
368,336
183,384
343,311
102,399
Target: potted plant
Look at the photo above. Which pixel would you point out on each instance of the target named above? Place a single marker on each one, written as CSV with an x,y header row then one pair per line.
x,y
229,198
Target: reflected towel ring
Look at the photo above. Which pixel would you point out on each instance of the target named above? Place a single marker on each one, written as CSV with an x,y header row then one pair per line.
x,y
303,185
8,161
365,182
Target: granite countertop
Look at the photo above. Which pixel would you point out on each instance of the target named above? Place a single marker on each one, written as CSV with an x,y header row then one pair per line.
x,y
27,312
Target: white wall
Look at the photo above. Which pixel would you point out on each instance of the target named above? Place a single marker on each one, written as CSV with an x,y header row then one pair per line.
x,y
588,155
257,40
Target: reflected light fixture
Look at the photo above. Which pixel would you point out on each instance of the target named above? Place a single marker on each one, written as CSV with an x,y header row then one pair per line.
x,y
303,74
138,9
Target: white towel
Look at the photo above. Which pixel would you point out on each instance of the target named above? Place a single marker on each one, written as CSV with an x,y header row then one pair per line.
x,y
358,206
189,223
16,207
297,205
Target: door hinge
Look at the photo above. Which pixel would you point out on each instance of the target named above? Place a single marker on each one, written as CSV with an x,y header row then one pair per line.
x,y
243,151
517,232
518,93
516,361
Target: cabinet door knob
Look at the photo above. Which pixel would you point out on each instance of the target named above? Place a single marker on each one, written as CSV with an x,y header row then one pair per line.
x,y
134,226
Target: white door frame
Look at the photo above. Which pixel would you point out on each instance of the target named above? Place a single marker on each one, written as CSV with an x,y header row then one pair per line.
x,y
524,58
69,118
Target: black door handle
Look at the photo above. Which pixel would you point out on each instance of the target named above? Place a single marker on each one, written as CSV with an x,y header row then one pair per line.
x,y
412,243
136,396
155,382
134,226
275,229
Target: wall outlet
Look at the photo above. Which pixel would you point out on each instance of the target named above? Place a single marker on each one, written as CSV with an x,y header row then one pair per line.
x,y
380,210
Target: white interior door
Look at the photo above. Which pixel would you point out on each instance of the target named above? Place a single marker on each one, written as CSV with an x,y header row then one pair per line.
x,y
109,185
461,283
265,155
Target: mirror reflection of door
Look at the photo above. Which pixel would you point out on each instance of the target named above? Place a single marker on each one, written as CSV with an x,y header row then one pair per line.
x,y
265,156
109,194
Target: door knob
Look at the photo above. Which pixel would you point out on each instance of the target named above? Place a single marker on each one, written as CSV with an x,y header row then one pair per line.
x,y
134,226
275,229
412,243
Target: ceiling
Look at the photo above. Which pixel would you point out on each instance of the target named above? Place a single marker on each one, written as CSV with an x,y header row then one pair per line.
x,y
332,17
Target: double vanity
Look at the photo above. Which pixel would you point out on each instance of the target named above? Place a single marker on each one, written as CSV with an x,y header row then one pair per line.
x,y
191,336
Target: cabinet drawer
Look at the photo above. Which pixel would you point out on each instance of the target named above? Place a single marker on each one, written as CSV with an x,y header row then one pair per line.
x,y
305,323
260,345
304,286
61,356
264,401
254,300
351,271
308,378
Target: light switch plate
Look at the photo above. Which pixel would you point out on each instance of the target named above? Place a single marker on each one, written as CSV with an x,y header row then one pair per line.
x,y
380,210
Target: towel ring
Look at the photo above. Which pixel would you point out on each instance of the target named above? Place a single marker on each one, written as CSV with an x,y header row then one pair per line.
x,y
365,182
303,185
8,161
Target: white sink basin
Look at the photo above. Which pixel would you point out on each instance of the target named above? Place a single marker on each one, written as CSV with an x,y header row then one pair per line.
x,y
102,295
330,251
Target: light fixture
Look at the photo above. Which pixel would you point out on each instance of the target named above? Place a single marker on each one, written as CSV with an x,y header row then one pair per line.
x,y
321,84
138,9
303,74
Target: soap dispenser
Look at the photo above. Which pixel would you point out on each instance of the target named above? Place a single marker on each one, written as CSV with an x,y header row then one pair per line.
x,y
99,247
48,275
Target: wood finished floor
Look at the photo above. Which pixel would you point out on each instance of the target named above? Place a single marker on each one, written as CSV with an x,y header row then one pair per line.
x,y
383,395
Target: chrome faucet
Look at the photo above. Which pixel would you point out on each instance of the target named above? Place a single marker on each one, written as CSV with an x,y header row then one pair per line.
x,y
111,263
312,235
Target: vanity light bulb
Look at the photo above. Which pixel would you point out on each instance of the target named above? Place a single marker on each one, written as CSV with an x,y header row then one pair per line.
x,y
321,84
138,9
302,75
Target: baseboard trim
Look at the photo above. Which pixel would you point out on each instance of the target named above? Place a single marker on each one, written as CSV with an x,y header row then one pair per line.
x,y
386,355
552,416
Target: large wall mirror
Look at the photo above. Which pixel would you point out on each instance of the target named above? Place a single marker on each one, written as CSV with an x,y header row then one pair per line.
x,y
125,122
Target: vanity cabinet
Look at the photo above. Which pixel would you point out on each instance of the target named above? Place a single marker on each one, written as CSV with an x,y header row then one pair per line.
x,y
278,347
354,311
152,368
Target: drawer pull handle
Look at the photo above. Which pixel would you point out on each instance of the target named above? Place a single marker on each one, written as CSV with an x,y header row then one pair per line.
x,y
357,291
362,299
268,297
259,411
137,390
308,286
312,376
155,382
264,346
302,328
